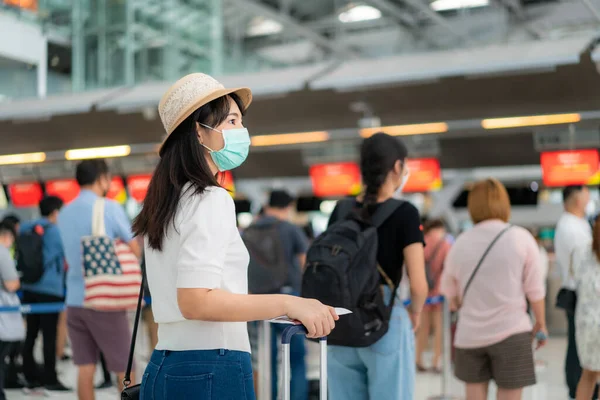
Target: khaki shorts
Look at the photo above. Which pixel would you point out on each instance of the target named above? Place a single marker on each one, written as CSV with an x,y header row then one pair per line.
x,y
509,363
92,332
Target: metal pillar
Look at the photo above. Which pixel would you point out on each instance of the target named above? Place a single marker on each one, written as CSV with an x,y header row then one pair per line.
x,y
129,42
42,71
216,38
78,47
102,47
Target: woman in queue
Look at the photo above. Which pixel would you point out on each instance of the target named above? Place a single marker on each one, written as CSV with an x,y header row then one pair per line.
x,y
196,262
489,275
436,250
586,264
386,369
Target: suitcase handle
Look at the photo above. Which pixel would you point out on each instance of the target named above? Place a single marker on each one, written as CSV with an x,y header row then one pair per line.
x,y
286,338
291,331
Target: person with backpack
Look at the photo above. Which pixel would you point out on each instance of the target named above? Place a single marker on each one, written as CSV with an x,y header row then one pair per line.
x,y
357,263
40,259
277,255
437,247
490,274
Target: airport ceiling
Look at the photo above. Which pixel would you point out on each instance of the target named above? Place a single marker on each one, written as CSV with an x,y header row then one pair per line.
x,y
300,32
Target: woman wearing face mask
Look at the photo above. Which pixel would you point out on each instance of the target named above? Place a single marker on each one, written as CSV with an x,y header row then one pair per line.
x,y
386,369
196,262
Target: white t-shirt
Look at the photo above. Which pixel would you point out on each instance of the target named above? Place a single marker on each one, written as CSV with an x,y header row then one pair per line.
x,y
572,233
204,251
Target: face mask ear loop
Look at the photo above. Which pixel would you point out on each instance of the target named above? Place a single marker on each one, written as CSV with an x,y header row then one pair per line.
x,y
208,127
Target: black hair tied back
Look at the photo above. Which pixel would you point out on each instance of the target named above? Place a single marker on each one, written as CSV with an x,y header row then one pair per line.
x,y
378,155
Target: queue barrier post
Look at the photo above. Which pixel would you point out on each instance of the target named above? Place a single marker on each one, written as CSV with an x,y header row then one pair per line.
x,y
446,354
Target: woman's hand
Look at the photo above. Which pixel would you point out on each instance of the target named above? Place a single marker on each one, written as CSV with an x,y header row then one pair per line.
x,y
317,318
540,333
415,318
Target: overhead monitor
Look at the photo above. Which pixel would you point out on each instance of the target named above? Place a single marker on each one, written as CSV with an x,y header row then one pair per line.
x,y
66,189
335,179
25,194
425,175
570,167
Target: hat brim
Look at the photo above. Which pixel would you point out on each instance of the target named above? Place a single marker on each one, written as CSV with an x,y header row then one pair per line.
x,y
244,93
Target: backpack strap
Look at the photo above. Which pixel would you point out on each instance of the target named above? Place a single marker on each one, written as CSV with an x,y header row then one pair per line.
x,y
345,207
384,211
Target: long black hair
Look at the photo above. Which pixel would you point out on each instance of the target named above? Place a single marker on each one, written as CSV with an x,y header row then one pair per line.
x,y
182,160
378,155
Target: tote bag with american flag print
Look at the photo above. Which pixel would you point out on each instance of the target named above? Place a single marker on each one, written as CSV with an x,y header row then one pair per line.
x,y
112,273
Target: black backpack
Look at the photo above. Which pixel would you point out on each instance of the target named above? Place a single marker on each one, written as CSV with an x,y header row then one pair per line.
x,y
30,254
342,271
268,269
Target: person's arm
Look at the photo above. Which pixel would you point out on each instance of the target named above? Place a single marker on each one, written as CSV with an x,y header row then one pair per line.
x,y
205,236
9,274
534,288
415,266
414,259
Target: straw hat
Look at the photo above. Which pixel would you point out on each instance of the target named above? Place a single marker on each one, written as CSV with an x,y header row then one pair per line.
x,y
190,93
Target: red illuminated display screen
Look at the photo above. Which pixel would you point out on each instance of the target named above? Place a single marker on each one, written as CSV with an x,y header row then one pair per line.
x,y
570,167
336,179
26,194
425,175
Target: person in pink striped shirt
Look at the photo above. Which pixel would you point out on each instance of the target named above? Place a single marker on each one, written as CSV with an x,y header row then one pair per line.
x,y
494,334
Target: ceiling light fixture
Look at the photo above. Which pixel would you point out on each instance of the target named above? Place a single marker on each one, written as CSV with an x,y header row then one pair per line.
x,y
407,130
533,120
260,26
359,13
448,5
22,158
290,138
98,152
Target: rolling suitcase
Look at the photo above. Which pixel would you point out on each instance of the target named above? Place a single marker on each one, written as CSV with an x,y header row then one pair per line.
x,y
286,338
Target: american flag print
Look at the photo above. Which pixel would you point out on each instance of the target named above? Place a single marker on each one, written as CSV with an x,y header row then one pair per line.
x,y
112,274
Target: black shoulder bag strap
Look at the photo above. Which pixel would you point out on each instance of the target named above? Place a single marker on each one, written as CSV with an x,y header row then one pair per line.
x,y
482,259
127,379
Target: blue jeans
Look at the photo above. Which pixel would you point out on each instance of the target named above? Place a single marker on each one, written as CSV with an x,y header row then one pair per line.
x,y
206,374
385,370
299,384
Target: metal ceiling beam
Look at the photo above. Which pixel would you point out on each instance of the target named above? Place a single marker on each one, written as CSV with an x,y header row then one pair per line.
x,y
386,7
406,22
514,8
432,15
592,9
289,23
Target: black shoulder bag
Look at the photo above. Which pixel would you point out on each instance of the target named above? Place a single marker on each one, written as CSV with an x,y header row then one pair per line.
x,y
133,392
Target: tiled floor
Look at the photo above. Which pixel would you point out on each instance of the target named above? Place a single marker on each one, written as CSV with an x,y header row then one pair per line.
x,y
550,387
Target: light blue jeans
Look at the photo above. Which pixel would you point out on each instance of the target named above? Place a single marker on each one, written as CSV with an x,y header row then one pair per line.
x,y
383,371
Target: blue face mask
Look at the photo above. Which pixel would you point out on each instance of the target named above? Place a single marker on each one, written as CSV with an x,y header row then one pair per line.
x,y
234,152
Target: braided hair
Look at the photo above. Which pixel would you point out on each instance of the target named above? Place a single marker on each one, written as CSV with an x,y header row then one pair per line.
x,y
378,156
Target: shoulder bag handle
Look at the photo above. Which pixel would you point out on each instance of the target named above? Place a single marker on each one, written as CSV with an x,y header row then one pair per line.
x,y
482,259
98,227
138,311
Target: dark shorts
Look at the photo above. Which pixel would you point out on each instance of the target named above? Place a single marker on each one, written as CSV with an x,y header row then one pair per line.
x,y
509,363
92,332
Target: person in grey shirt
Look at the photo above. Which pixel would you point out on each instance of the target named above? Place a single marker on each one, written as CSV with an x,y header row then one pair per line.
x,y
10,284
